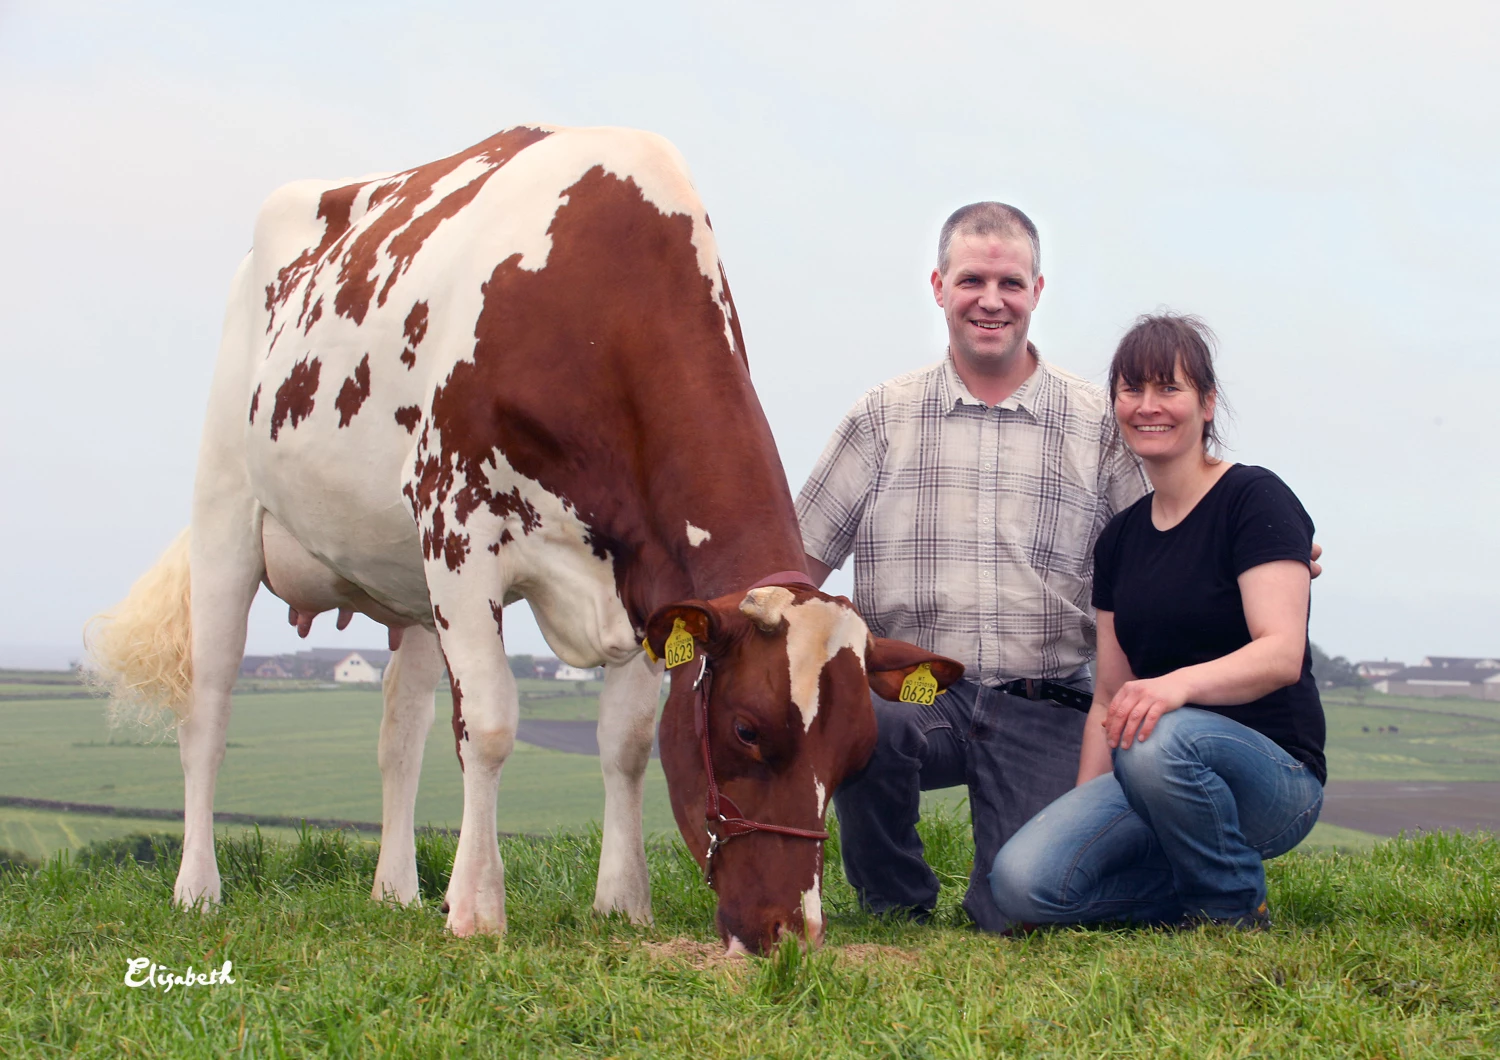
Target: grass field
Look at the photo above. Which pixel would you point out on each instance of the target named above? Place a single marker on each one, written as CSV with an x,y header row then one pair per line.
x,y
1394,953
310,751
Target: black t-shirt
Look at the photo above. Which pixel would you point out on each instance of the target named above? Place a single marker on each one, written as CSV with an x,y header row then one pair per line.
x,y
1175,594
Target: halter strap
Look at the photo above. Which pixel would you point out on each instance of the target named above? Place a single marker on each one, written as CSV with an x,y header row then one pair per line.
x,y
723,817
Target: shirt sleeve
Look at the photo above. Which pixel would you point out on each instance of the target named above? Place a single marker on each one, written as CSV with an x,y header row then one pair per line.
x,y
1125,479
1269,524
1104,565
832,501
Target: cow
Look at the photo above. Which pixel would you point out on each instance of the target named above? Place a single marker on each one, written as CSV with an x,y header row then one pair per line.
x,y
517,372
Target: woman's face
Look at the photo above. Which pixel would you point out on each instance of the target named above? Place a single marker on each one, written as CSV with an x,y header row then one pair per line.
x,y
1162,421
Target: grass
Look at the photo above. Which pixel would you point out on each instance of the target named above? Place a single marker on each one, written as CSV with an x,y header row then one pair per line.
x,y
1393,953
297,754
302,751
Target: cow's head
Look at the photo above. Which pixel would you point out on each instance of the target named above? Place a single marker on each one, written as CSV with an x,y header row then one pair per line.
x,y
789,718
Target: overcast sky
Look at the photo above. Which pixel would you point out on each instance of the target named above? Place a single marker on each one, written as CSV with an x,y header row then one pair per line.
x,y
1320,181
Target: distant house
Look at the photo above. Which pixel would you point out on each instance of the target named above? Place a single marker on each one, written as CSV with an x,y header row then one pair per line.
x,y
1444,675
565,672
361,667
1372,670
269,668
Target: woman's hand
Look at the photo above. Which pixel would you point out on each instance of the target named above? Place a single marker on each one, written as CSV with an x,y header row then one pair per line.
x,y
1138,705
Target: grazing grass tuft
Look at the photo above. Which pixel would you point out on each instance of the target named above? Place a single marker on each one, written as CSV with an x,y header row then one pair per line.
x,y
1394,952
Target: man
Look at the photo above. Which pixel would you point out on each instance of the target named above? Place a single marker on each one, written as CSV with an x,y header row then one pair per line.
x,y
970,493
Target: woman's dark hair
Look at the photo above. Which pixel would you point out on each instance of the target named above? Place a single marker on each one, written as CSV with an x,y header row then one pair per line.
x,y
1153,348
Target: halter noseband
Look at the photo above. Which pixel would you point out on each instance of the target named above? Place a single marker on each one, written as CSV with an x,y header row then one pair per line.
x,y
724,819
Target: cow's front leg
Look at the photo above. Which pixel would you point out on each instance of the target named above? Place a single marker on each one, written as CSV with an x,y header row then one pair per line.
x,y
485,709
627,719
409,681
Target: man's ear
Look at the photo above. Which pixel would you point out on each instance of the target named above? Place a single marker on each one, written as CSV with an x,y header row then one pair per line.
x,y
889,662
937,287
698,618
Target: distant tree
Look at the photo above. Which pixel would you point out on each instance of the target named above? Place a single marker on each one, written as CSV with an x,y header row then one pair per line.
x,y
523,665
1335,671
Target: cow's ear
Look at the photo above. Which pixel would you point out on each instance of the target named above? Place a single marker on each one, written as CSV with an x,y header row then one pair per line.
x,y
698,618
889,662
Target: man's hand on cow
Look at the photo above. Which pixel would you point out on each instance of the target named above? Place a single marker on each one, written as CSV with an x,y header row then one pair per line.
x,y
1313,565
1137,707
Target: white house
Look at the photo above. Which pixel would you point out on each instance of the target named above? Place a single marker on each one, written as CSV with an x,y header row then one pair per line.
x,y
1445,676
574,673
355,669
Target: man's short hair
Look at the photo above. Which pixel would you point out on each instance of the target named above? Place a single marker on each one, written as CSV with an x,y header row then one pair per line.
x,y
989,218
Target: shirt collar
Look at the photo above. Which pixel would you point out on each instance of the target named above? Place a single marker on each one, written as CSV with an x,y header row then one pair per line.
x,y
1026,397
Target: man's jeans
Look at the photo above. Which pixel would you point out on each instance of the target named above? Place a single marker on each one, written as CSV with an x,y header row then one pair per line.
x,y
1180,828
1015,755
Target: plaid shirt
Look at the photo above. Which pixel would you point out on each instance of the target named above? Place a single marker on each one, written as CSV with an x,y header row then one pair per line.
x,y
973,527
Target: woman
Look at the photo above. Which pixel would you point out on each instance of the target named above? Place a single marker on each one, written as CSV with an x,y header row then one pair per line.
x,y
1203,753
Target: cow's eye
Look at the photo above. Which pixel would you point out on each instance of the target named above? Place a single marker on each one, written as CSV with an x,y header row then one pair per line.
x,y
746,734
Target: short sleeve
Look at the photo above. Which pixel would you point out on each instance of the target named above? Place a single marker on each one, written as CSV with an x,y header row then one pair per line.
x,y
832,501
1125,479
1104,564
1269,524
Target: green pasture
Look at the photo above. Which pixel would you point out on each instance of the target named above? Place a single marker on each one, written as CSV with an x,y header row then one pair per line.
x,y
295,754
1392,953
297,749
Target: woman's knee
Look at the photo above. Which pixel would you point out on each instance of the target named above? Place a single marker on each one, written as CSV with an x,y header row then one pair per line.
x,y
1018,879
1149,764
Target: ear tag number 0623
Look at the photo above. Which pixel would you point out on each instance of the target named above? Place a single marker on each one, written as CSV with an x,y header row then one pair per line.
x,y
679,646
920,686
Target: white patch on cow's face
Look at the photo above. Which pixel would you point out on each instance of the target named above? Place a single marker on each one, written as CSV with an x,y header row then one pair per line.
x,y
696,535
812,908
817,630
736,948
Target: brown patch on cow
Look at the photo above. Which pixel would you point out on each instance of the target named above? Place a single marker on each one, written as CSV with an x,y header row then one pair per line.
x,y
567,406
409,416
505,538
437,614
397,230
354,391
415,330
498,610
460,730
398,233
455,548
254,403
294,397
314,315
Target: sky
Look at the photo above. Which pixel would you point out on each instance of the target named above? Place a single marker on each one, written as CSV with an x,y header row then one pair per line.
x,y
1320,181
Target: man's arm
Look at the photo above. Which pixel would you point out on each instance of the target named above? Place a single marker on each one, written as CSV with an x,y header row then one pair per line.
x,y
817,570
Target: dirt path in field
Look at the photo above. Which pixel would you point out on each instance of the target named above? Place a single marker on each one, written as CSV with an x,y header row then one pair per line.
x,y
1386,807
575,737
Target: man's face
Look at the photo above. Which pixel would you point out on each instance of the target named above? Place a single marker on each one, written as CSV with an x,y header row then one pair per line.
x,y
987,294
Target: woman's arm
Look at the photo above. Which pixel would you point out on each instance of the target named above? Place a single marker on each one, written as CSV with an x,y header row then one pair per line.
x,y
1112,671
1275,597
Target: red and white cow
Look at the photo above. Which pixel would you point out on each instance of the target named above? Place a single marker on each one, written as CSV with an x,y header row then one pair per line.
x,y
516,372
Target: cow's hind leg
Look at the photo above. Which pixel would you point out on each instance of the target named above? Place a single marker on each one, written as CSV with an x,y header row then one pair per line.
x,y
227,564
627,719
485,710
410,679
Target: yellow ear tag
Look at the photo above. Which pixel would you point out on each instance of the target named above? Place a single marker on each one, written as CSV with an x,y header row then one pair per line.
x,y
679,646
646,647
920,686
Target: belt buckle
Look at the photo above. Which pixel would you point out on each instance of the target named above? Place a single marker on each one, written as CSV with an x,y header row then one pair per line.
x,y
1033,688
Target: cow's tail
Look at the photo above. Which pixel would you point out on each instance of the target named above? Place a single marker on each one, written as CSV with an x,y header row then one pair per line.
x,y
141,651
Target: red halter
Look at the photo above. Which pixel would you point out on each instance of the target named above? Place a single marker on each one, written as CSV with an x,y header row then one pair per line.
x,y
724,820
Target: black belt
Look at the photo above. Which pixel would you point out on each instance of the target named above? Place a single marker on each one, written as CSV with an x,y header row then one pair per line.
x,y
1059,695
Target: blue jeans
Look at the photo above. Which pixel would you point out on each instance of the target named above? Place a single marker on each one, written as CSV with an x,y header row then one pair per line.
x,y
1015,756
1180,828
